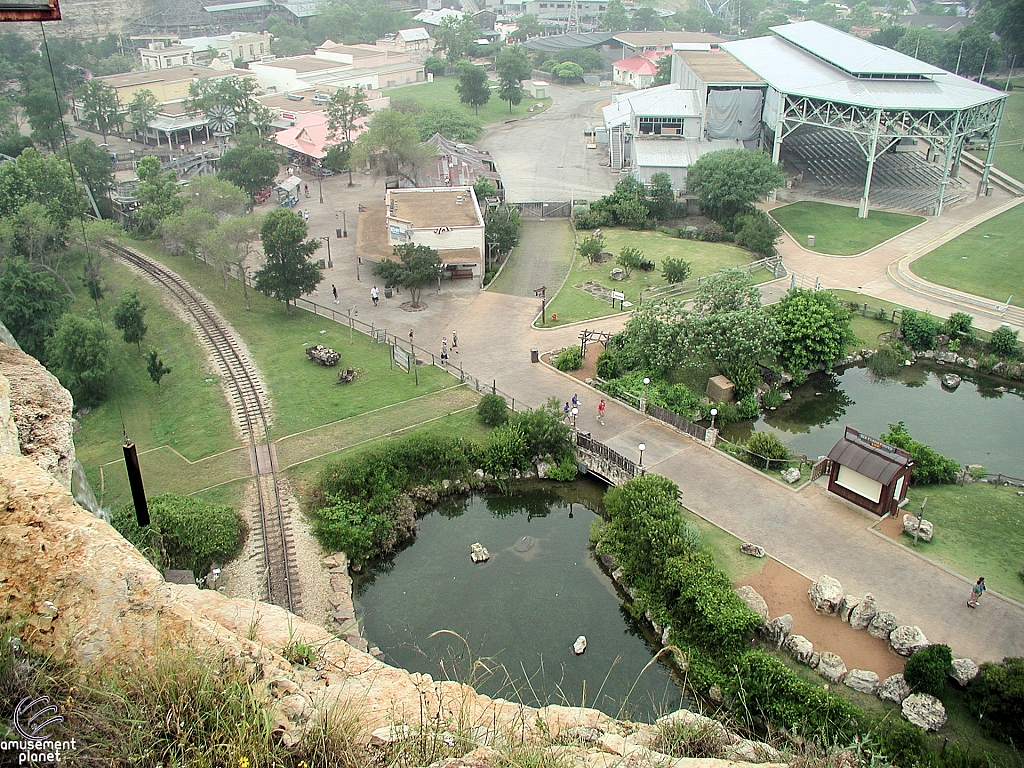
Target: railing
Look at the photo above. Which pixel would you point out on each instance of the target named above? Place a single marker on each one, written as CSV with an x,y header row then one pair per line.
x,y
695,431
892,315
994,479
773,264
587,443
822,467
959,297
799,280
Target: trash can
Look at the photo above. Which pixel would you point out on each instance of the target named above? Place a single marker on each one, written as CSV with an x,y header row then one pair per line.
x,y
810,241
534,355
387,291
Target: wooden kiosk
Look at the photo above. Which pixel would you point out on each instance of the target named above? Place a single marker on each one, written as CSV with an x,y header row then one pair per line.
x,y
872,474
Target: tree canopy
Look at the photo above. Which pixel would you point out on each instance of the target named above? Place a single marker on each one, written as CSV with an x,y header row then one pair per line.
x,y
472,87
728,181
417,266
450,122
248,168
100,108
129,318
79,356
393,140
454,38
288,273
814,329
344,108
33,302
614,18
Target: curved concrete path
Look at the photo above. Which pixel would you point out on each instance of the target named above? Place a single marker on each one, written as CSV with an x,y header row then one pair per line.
x,y
810,530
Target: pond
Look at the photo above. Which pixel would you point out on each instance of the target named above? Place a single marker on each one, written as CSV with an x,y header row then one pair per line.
x,y
519,613
975,424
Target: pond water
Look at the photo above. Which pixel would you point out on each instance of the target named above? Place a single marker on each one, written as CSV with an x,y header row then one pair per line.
x,y
976,424
520,612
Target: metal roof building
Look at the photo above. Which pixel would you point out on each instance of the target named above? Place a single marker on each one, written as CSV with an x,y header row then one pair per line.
x,y
818,76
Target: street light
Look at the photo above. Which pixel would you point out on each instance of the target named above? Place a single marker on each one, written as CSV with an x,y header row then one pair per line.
x,y
327,239
575,412
641,448
643,404
714,412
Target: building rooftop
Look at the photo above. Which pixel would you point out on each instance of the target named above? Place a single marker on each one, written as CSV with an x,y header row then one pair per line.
x,y
170,75
173,50
413,34
568,41
663,39
675,152
303,64
241,6
434,18
718,67
435,207
639,64
661,101
869,456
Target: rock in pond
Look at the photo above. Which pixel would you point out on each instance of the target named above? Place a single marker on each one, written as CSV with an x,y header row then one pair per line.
x,y
524,544
478,553
580,645
951,381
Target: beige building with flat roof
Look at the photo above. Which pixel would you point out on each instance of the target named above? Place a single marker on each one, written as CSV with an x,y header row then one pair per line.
x,y
448,219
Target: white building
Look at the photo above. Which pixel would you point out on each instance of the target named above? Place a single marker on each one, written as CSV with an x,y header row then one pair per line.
x,y
163,56
234,46
448,219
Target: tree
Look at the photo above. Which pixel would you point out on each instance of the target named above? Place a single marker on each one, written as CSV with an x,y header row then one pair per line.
x,y
345,107
923,44
155,367
484,188
33,302
287,273
930,466
513,63
454,38
512,92
101,110
231,243
394,142
93,166
825,13
675,270
449,122
757,232
157,193
501,229
861,15
728,181
44,112
568,70
660,197
1010,26
814,329
646,19
182,233
472,87
434,66
128,318
591,247
1004,341
248,168
664,74
216,197
972,51
614,18
527,26
417,267
630,258
78,355
142,111
339,158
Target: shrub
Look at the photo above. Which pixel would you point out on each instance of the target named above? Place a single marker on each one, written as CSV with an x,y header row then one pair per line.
x,y
609,364
1004,341
630,258
492,410
675,270
184,533
918,329
565,470
996,697
903,743
886,361
713,233
771,399
349,527
489,275
569,359
766,445
926,670
930,466
506,451
960,326
545,431
748,407
591,247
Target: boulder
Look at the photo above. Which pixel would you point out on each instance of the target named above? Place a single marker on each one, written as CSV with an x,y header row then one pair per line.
x,y
846,607
778,629
882,625
752,549
543,467
799,647
580,734
617,274
754,602
390,734
580,646
608,561
814,660
791,475
831,667
906,639
478,553
894,688
747,751
826,594
911,524
862,680
963,671
864,613
924,711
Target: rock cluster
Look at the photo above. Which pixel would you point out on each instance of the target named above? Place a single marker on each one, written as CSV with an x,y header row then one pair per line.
x,y
344,614
826,595
923,528
478,553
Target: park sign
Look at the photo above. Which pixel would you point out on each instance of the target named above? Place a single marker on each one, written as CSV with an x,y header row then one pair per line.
x,y
401,357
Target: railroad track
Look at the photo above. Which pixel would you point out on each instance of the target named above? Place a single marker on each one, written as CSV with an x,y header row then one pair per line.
x,y
248,400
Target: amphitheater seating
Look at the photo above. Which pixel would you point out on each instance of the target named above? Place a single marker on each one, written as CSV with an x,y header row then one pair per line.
x,y
904,180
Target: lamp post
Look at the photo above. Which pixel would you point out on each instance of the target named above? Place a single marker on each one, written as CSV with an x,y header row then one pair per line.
x,y
640,464
327,239
575,412
714,412
643,403
320,182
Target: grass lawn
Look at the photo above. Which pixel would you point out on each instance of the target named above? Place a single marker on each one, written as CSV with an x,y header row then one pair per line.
x,y
726,549
442,92
187,412
985,261
1009,158
836,228
304,394
979,531
573,304
865,322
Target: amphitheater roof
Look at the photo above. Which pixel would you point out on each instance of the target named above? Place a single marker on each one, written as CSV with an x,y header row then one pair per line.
x,y
800,71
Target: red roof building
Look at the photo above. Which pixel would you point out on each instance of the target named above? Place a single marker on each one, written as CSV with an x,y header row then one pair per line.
x,y
308,139
636,71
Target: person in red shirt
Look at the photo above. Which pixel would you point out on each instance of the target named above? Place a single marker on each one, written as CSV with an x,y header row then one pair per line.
x,y
600,411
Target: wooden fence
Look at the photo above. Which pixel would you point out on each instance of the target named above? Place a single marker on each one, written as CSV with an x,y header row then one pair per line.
x,y
695,431
774,265
588,443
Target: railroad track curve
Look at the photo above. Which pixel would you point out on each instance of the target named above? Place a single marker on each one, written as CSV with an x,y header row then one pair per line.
x,y
249,403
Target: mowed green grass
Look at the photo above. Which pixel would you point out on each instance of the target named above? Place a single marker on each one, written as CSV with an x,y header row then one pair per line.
x,y
865,323
573,304
979,531
442,92
303,394
986,261
836,228
187,412
1009,158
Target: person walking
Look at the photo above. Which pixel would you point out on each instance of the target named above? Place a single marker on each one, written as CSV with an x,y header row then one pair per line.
x,y
566,411
455,342
444,351
334,290
410,337
575,401
307,190
374,295
600,412
976,591
305,214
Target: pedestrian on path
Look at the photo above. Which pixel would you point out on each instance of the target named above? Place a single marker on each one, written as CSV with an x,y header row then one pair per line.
x,y
444,351
455,342
566,411
307,190
600,412
334,290
410,338
575,401
374,295
976,591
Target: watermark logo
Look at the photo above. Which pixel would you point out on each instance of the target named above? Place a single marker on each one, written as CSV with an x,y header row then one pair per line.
x,y
30,717
34,717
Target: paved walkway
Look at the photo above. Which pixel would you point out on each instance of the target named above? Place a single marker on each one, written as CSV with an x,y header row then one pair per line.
x,y
810,531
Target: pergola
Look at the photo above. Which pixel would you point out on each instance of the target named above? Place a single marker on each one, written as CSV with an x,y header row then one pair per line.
x,y
818,76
